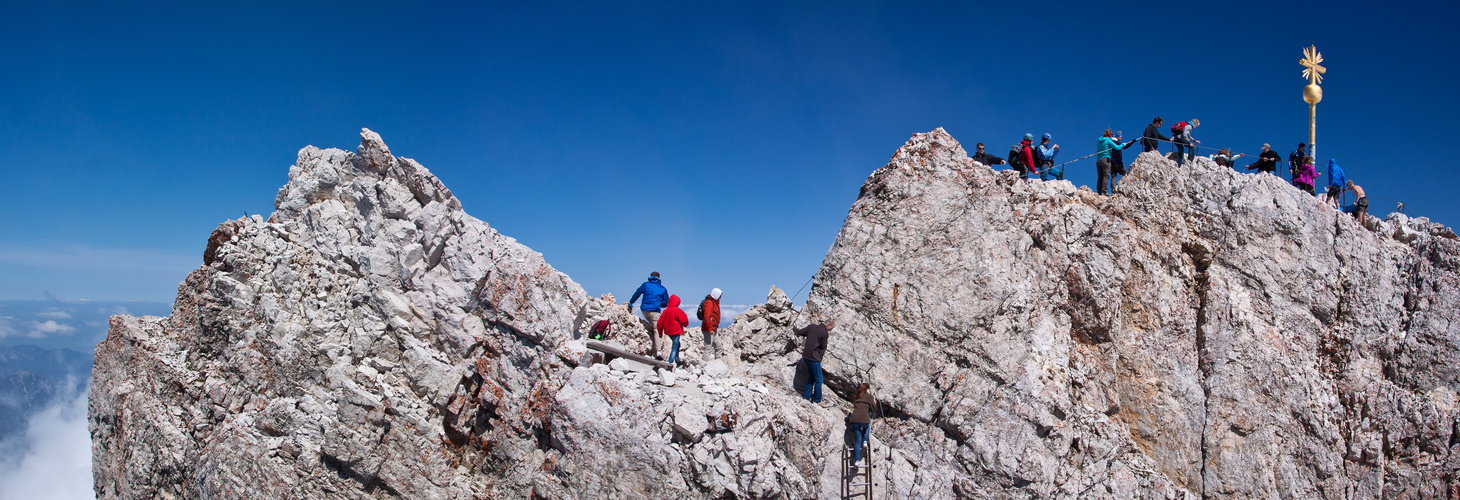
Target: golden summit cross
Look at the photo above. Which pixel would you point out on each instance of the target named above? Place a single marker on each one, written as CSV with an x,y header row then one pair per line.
x,y
1313,72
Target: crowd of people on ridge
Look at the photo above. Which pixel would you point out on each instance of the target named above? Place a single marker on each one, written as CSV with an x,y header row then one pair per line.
x,y
1026,158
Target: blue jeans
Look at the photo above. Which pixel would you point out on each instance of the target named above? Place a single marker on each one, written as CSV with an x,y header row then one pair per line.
x,y
859,436
1050,170
814,369
674,348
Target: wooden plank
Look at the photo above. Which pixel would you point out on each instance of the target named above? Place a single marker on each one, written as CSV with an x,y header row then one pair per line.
x,y
617,351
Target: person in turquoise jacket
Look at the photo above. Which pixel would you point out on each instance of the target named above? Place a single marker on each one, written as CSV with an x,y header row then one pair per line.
x,y
1106,145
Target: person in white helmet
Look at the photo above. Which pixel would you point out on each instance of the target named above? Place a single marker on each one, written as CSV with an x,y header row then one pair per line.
x,y
709,314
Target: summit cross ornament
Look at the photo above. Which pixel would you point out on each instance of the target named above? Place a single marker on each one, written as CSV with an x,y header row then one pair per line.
x,y
1312,93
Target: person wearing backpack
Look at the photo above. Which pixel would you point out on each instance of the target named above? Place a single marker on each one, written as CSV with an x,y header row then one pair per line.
x,y
1336,183
1044,155
709,315
1295,160
1021,157
1153,134
1105,145
655,296
672,324
1181,135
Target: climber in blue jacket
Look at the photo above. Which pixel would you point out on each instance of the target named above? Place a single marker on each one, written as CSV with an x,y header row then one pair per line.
x,y
1336,184
655,296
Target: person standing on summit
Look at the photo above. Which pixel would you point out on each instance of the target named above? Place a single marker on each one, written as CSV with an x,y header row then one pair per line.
x,y
1336,184
1045,156
655,296
1267,161
1026,154
1153,134
1105,145
816,339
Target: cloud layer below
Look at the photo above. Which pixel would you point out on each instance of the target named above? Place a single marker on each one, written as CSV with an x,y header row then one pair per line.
x,y
53,458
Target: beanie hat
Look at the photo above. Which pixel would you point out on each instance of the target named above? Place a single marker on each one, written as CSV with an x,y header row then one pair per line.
x,y
1029,137
715,293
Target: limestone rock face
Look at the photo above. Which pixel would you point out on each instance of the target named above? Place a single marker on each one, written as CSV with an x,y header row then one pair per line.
x,y
1200,333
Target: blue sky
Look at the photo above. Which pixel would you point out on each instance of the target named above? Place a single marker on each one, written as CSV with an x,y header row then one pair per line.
x,y
719,144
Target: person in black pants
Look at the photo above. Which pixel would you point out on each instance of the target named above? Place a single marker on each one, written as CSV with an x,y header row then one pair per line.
x,y
1267,161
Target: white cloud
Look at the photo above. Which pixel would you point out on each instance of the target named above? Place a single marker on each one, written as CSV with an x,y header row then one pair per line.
x,y
54,313
53,458
10,327
114,310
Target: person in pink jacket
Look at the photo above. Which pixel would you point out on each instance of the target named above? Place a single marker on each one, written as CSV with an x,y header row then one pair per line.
x,y
1306,175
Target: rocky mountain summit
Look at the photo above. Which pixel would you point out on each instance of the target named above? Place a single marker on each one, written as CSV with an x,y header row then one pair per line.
x,y
1200,333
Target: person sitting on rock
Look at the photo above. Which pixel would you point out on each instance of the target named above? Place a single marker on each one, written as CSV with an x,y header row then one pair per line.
x,y
672,324
654,298
987,159
860,420
1225,157
1361,207
710,323
816,340
1045,157
1267,161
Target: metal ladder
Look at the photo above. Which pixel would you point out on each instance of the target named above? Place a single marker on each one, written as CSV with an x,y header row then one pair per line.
x,y
858,485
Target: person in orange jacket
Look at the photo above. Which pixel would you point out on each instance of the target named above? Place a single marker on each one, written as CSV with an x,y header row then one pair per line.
x,y
710,315
672,323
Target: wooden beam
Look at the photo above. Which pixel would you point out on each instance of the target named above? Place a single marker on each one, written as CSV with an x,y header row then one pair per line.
x,y
620,352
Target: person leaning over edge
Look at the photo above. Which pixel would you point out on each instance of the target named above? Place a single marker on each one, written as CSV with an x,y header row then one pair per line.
x,y
1267,161
1152,134
1361,207
816,335
655,296
710,323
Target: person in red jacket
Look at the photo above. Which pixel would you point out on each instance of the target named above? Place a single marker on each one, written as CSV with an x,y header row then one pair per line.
x,y
711,308
672,323
1027,151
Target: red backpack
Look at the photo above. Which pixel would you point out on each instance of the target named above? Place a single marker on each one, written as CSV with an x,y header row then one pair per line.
x,y
1176,129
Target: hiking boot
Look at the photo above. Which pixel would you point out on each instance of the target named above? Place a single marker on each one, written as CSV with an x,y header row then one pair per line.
x,y
659,357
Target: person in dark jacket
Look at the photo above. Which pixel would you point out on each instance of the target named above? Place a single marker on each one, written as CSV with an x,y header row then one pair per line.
x,y
1117,161
672,324
655,296
811,353
1267,161
711,323
860,421
985,158
1153,134
1295,161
